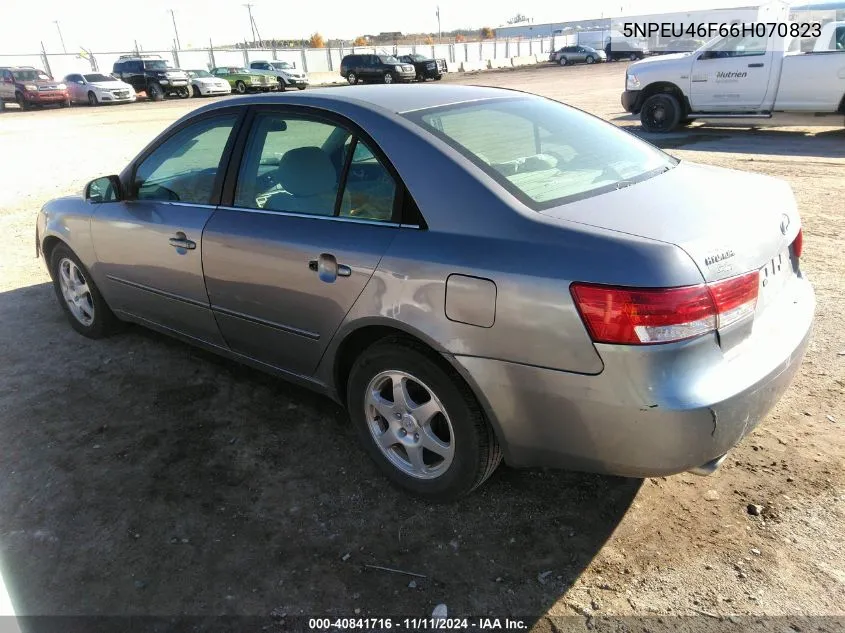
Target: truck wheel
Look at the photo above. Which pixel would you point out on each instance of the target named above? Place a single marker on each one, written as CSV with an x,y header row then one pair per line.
x,y
352,78
660,113
240,87
633,57
562,61
154,92
21,100
184,93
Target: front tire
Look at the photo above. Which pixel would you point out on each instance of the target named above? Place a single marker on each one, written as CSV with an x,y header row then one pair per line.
x,y
92,99
154,92
282,86
79,297
185,93
420,422
196,91
388,78
660,113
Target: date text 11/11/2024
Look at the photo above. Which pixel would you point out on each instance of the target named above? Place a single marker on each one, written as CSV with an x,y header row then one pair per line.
x,y
416,624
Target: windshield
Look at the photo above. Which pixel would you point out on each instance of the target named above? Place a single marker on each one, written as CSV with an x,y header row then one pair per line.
x,y
30,75
98,77
389,59
155,64
543,152
199,73
281,65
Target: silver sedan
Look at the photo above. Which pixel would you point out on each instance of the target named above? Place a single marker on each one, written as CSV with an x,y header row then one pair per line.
x,y
474,273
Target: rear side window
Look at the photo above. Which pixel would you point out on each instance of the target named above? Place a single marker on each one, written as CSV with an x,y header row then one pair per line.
x,y
543,152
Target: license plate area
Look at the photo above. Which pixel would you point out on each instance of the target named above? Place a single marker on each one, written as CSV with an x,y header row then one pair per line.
x,y
773,277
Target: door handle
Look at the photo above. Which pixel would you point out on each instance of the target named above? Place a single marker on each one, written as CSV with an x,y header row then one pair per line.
x,y
757,65
328,269
181,241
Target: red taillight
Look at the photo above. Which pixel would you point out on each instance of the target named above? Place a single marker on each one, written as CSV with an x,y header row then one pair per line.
x,y
637,316
798,244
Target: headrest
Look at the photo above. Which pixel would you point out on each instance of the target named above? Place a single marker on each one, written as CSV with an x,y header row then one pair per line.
x,y
307,171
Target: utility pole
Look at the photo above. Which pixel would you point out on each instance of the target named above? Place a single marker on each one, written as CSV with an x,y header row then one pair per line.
x,y
59,29
251,21
439,32
175,30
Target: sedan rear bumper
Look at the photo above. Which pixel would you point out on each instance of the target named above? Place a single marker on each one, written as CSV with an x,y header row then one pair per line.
x,y
652,411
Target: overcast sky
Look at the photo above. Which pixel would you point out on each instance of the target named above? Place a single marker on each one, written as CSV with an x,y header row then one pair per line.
x,y
113,25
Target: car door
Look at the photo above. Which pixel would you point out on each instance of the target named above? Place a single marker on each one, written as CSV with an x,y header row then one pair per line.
x,y
7,88
731,75
149,245
286,261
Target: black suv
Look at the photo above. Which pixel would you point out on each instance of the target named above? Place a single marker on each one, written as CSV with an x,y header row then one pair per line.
x,y
385,69
151,74
426,67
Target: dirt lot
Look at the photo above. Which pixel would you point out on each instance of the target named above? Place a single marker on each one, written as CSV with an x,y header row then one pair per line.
x,y
141,476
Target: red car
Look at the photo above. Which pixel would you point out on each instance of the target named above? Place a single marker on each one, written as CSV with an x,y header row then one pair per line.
x,y
30,87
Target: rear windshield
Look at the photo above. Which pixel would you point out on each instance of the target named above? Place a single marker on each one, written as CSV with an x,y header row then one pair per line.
x,y
543,152
30,75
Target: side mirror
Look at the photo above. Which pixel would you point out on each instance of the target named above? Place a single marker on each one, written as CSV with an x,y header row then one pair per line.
x,y
105,189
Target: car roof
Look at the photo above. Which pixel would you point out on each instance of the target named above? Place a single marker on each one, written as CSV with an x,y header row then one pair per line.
x,y
398,98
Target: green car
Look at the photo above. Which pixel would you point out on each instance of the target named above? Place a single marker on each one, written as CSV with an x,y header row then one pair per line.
x,y
244,80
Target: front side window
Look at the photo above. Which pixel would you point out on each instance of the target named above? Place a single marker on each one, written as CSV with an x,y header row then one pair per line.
x,y
185,167
303,165
541,151
741,46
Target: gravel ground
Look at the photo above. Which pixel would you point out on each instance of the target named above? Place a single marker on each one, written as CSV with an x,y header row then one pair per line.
x,y
141,476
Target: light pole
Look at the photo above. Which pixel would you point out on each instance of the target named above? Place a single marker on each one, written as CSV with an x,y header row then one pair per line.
x,y
59,29
252,24
175,30
439,32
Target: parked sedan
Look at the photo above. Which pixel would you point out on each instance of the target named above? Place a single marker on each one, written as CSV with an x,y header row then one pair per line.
x,y
577,55
243,80
96,88
204,84
567,296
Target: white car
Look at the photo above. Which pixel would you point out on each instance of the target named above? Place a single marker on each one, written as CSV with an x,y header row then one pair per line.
x,y
286,74
96,88
204,84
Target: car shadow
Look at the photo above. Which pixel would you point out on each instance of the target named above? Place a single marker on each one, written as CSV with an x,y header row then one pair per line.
x,y
141,476
825,143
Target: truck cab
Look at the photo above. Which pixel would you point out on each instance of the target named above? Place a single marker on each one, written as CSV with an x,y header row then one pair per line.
x,y
751,75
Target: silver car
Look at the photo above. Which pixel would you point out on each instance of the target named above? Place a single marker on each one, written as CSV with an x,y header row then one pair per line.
x,y
474,273
577,55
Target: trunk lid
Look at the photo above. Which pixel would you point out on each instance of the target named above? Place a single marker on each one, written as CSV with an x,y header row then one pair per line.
x,y
728,222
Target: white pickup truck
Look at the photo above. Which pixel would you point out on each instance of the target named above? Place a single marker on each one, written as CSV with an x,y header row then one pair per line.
x,y
750,79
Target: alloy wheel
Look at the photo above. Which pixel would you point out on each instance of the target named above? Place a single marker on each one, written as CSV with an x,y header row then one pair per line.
x,y
352,79
76,292
409,424
388,78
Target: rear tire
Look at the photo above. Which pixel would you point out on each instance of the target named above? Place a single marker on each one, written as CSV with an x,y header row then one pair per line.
x,y
240,87
660,113
90,315
389,78
467,452
154,92
563,61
